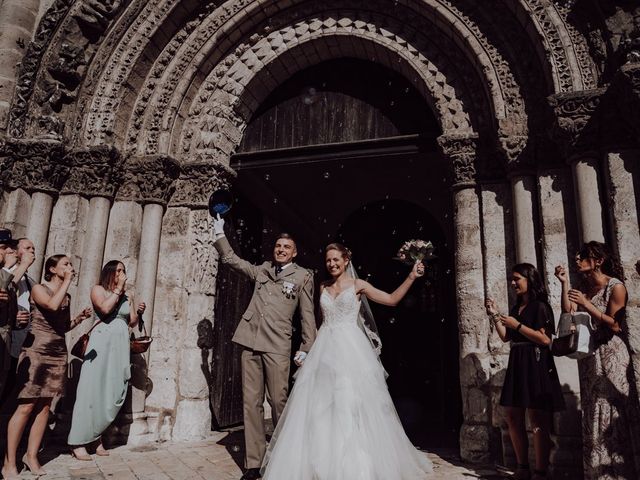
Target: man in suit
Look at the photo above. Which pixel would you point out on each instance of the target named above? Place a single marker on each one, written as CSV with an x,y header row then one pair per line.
x,y
17,265
264,332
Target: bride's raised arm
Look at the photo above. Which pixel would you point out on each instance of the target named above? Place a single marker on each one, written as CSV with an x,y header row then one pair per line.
x,y
391,299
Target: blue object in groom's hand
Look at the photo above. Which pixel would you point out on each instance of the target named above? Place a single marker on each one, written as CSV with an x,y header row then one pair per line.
x,y
220,202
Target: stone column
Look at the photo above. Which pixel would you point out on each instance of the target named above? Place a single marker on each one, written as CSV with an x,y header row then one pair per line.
x,y
36,167
622,168
93,173
146,187
559,237
187,235
588,198
18,23
576,131
523,192
38,229
475,359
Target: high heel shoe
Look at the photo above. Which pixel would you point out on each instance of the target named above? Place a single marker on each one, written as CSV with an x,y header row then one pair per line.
x,y
7,476
37,471
103,452
85,457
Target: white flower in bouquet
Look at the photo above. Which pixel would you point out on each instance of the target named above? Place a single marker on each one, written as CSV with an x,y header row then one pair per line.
x,y
415,250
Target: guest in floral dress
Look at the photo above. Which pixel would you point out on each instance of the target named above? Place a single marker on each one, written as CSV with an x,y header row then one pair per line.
x,y
610,409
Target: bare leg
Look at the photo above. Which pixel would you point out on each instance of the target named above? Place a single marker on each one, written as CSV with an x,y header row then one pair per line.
x,y
541,426
35,435
15,429
518,433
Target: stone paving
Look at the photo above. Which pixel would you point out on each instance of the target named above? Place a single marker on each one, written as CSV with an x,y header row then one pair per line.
x,y
217,458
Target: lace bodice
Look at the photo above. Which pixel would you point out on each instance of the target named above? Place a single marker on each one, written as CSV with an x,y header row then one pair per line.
x,y
342,309
601,299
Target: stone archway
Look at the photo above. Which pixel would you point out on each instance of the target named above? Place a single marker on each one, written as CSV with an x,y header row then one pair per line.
x,y
106,100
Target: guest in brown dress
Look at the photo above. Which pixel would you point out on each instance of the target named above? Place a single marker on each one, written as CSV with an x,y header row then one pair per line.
x,y
43,362
609,400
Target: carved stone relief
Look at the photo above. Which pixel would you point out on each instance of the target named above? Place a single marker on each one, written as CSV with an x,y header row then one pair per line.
x,y
94,171
576,127
198,180
149,179
461,150
34,166
53,66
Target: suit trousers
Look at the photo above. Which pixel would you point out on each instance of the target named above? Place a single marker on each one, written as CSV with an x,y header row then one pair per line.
x,y
261,369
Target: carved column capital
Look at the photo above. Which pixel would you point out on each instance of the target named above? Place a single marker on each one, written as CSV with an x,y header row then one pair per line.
x,y
93,171
461,150
197,181
149,179
33,165
576,127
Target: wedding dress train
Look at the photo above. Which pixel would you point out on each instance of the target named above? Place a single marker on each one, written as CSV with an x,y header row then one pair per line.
x,y
340,422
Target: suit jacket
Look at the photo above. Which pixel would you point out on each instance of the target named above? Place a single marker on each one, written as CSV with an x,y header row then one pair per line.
x,y
266,325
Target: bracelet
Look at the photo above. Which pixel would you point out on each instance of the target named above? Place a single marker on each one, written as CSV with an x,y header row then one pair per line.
x,y
117,292
519,327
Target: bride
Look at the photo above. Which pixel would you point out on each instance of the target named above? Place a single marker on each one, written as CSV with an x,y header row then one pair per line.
x,y
339,422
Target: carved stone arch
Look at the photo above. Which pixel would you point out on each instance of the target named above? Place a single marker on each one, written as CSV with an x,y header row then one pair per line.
x,y
232,92
433,15
163,104
563,51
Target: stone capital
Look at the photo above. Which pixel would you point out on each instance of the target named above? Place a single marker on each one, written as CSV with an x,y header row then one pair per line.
x,y
461,150
33,165
93,172
149,179
518,154
576,125
198,180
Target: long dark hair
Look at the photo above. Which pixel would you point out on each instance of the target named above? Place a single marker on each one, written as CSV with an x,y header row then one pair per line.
x,y
535,286
601,251
108,273
52,262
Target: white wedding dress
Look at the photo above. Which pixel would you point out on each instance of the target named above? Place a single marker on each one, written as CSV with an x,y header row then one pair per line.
x,y
339,422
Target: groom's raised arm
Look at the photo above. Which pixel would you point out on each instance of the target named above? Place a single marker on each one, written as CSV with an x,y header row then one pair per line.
x,y
229,257
308,319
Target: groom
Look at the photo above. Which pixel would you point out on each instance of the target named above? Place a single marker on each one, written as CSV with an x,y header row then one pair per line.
x,y
264,332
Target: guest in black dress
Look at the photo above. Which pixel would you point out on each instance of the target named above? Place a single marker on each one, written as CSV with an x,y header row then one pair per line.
x,y
531,382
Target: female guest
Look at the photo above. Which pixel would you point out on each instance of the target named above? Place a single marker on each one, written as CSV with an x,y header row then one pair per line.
x,y
42,365
339,422
610,417
531,382
105,373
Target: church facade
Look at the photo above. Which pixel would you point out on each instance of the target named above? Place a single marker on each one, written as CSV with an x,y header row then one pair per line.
x,y
515,125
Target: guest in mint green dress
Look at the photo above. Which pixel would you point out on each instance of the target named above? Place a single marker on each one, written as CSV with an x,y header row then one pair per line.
x,y
106,369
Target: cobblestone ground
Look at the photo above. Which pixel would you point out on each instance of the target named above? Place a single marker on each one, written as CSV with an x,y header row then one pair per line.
x,y
217,458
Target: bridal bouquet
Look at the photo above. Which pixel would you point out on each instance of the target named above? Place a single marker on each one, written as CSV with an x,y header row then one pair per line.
x,y
415,250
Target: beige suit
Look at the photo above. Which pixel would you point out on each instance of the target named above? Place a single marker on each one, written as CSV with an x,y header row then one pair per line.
x,y
265,333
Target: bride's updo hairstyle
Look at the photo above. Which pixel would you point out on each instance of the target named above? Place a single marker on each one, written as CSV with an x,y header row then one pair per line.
x,y
344,251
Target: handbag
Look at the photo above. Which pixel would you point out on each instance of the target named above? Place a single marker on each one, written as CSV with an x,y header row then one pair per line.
x,y
80,347
575,336
140,344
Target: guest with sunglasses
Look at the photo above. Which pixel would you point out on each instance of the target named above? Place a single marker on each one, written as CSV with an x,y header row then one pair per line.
x,y
609,400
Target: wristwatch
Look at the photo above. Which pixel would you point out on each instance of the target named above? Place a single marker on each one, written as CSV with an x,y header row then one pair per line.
x,y
519,327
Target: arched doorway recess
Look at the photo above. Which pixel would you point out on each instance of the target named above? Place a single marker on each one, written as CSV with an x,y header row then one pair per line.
x,y
346,150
